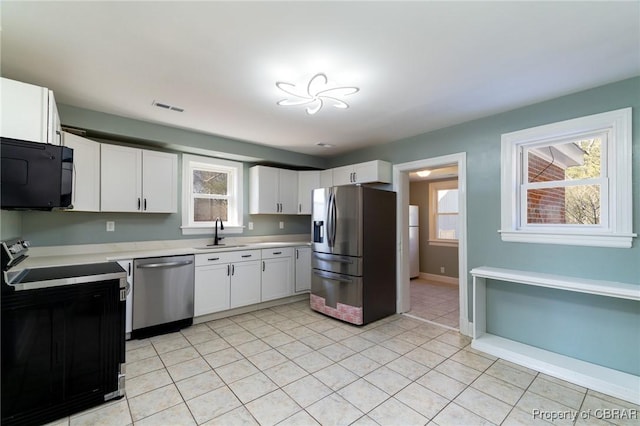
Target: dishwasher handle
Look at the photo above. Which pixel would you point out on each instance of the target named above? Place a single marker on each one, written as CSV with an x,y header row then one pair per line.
x,y
165,264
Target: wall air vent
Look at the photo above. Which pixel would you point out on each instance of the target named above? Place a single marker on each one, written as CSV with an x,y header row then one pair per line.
x,y
167,106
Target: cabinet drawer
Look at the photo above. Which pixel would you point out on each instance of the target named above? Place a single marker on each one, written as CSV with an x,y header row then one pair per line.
x,y
213,258
277,252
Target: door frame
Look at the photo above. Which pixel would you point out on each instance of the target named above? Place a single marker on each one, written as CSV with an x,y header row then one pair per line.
x,y
401,186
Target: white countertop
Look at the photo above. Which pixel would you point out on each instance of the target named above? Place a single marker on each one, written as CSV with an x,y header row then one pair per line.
x,y
40,257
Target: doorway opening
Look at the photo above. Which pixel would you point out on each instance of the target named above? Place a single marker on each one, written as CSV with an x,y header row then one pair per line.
x,y
450,167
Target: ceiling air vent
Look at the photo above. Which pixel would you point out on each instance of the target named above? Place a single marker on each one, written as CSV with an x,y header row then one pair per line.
x,y
167,106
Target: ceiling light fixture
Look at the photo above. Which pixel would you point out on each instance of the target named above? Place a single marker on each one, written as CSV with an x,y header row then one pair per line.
x,y
316,95
424,173
325,145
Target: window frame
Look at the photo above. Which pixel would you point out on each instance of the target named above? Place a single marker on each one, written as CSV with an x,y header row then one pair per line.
x,y
615,228
235,197
434,187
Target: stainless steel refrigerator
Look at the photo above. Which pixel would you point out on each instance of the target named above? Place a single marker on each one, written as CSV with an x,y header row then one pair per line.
x,y
354,253
414,242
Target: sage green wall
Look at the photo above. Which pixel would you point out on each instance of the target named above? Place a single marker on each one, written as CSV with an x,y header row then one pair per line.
x,y
68,228
431,257
512,314
10,224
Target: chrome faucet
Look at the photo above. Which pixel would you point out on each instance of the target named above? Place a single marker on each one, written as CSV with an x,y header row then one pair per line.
x,y
216,239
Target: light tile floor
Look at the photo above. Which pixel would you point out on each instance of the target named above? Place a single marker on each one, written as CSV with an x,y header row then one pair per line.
x,y
437,302
288,365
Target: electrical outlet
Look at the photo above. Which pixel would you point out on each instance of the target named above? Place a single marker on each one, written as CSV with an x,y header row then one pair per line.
x,y
281,225
442,269
250,226
111,226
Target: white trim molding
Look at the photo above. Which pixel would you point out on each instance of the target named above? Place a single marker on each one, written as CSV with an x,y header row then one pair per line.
x,y
401,186
616,227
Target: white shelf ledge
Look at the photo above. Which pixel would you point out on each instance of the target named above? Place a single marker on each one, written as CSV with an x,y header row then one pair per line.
x,y
603,379
560,282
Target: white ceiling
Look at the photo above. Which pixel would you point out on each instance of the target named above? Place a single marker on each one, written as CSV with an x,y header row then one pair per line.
x,y
420,66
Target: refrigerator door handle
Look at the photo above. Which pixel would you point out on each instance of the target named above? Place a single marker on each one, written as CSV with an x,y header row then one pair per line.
x,y
338,278
333,259
332,216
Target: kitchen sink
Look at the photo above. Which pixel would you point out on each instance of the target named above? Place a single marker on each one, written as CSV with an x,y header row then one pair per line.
x,y
219,246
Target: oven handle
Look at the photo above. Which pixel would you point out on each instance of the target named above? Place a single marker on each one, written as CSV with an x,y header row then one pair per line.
x,y
340,279
165,264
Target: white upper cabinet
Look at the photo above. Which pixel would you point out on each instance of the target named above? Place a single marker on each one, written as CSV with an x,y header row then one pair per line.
x,y
308,180
136,180
273,191
368,172
28,113
86,172
326,178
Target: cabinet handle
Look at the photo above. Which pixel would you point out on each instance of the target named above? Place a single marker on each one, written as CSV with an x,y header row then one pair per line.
x,y
211,259
247,255
138,203
297,254
145,204
233,269
263,266
355,177
228,270
129,269
277,252
299,208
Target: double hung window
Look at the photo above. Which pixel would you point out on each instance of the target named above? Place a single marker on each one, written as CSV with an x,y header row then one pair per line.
x,y
569,182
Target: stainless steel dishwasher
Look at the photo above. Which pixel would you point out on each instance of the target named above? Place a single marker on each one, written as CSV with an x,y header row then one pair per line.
x,y
162,294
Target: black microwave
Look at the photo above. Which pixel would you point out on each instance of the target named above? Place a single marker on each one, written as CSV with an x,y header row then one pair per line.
x,y
35,176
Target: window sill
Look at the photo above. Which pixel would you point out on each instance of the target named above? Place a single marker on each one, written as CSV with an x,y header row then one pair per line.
x,y
593,240
208,230
443,243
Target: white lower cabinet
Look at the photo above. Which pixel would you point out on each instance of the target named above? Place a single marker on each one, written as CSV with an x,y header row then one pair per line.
x,y
127,265
303,269
226,280
277,273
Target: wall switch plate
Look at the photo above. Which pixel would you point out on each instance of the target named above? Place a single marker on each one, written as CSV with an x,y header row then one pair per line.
x,y
250,226
442,269
281,225
111,226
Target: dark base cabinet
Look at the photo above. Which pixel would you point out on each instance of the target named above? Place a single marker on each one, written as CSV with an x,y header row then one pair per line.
x,y
62,350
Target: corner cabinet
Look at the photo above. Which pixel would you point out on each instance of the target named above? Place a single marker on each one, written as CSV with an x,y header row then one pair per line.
x,y
138,180
29,113
277,273
308,180
272,190
303,268
368,172
86,172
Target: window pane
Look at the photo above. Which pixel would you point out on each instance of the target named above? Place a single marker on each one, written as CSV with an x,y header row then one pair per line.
x,y
207,182
569,161
578,205
447,201
447,226
206,210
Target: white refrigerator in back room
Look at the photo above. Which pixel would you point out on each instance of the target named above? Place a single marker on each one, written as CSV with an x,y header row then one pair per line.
x,y
414,243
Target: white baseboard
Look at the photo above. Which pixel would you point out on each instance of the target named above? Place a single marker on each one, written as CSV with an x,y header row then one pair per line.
x,y
602,379
439,278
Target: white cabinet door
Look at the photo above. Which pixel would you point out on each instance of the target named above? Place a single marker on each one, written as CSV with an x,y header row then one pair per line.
x,y
54,127
25,110
343,175
326,178
159,182
263,195
272,190
86,172
288,191
303,269
211,291
307,182
277,278
245,283
127,265
372,171
120,179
